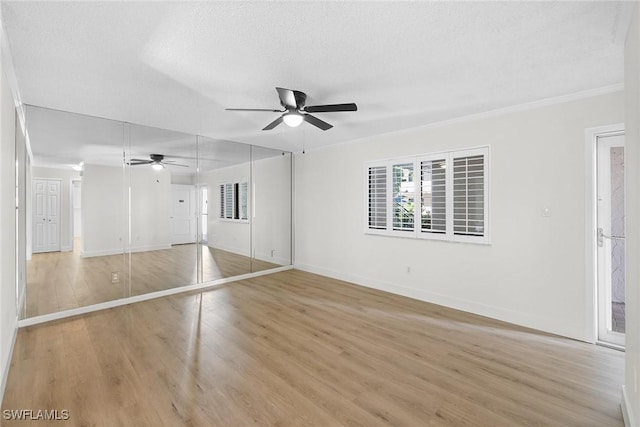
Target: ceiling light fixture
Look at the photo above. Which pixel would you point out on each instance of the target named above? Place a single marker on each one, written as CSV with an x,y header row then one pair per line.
x,y
292,119
157,166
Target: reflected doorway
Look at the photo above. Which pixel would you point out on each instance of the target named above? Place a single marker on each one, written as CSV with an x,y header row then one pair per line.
x,y
204,211
76,209
610,223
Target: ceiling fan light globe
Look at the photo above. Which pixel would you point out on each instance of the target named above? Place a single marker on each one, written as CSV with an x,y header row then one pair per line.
x,y
157,166
292,119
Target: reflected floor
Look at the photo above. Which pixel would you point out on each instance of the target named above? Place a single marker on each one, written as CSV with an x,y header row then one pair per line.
x,y
59,281
618,313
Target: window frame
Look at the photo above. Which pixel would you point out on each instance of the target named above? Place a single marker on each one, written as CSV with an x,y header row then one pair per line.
x,y
417,160
236,204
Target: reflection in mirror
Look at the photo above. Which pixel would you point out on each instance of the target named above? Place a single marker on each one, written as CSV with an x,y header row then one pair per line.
x,y
114,210
271,208
225,227
76,212
161,170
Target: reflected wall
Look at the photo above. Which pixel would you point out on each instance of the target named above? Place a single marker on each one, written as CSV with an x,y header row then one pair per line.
x,y
138,209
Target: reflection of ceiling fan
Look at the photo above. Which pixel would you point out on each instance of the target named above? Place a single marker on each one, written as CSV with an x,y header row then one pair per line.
x,y
156,161
295,111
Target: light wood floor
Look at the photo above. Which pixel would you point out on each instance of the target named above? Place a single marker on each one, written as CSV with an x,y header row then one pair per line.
x,y
59,281
299,349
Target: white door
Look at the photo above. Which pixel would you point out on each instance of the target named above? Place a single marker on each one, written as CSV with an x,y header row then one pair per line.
x,y
46,215
183,214
610,238
39,213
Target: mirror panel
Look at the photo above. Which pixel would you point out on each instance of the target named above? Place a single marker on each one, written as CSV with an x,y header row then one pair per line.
x,y
101,223
76,218
272,210
162,168
225,241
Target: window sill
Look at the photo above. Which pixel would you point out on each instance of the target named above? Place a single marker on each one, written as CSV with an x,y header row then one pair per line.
x,y
484,241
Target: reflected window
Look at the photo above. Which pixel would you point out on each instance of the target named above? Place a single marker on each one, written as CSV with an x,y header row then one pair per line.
x,y
234,200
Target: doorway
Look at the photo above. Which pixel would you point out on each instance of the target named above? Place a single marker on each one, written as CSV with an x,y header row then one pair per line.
x,y
46,215
610,238
183,214
76,209
204,214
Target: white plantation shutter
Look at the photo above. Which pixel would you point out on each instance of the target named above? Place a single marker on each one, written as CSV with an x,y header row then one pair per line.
x,y
221,200
441,196
243,196
228,201
434,196
234,201
377,213
468,195
403,197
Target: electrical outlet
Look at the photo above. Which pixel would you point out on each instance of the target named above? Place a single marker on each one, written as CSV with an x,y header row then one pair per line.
x,y
273,251
115,277
408,269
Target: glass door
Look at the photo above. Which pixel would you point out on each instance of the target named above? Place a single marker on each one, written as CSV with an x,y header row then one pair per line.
x,y
610,238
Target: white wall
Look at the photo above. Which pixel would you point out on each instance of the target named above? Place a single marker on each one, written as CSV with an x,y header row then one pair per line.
x,y
150,209
231,236
183,179
8,314
532,273
632,178
105,223
22,159
66,176
272,221
269,235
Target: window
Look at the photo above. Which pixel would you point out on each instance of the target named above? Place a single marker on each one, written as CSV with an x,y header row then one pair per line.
x,y
440,196
234,203
403,197
433,212
377,197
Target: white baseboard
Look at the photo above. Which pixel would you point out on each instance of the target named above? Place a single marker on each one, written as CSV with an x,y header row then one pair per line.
x,y
139,298
498,313
274,260
119,251
7,363
629,421
232,249
66,248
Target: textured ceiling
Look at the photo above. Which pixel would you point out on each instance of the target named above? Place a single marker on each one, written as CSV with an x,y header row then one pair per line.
x,y
178,65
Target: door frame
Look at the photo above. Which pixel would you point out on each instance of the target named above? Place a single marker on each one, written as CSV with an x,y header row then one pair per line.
x,y
590,232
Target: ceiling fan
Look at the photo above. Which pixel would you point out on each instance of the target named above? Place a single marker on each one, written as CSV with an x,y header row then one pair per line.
x,y
156,161
295,111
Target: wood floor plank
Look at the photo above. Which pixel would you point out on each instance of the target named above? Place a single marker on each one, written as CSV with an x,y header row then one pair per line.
x,y
295,348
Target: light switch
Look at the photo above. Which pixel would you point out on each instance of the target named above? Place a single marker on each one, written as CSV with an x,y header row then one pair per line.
x,y
546,212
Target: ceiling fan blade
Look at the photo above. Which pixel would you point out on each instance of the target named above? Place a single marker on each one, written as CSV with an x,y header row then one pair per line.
x,y
273,124
316,122
139,163
142,160
331,108
287,99
290,98
254,109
